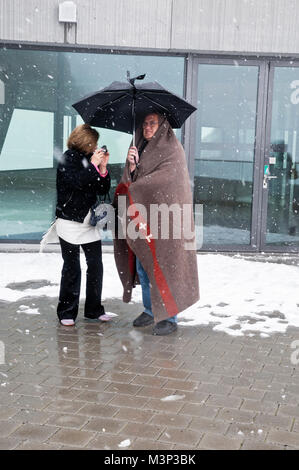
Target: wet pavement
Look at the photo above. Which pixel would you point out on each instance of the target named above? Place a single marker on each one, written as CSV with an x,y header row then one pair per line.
x,y
96,386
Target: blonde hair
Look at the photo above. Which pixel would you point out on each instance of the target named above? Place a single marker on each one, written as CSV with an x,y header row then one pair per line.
x,y
83,138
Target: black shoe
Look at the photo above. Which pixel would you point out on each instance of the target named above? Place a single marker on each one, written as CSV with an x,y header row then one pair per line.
x,y
143,320
164,327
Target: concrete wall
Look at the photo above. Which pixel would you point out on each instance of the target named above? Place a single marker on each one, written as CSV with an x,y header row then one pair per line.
x,y
257,26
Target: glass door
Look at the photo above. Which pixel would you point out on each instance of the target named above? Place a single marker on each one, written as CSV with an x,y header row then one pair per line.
x,y
281,166
227,151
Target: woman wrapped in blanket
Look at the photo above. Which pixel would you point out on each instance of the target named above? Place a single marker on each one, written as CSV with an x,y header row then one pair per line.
x,y
156,173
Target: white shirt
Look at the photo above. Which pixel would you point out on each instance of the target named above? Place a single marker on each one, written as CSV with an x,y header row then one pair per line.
x,y
77,233
73,232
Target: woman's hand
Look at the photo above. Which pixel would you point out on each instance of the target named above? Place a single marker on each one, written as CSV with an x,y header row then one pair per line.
x,y
104,163
100,159
133,158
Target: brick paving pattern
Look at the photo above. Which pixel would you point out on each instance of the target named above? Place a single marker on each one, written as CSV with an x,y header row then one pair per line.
x,y
96,385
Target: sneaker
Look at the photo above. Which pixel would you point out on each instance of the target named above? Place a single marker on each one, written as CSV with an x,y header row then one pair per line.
x,y
102,317
143,320
105,317
164,327
68,322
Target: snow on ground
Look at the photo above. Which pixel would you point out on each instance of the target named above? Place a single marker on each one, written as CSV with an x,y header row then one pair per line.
x,y
237,296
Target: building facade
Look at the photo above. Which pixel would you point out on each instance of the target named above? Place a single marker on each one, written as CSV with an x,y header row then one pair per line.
x,y
237,61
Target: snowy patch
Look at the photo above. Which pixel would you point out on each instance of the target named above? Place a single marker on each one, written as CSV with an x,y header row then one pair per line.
x,y
239,297
173,398
124,443
28,310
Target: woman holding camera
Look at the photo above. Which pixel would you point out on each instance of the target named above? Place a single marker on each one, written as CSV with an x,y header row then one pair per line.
x,y
82,175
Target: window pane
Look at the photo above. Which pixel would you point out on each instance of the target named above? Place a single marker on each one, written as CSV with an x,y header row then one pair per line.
x,y
283,186
37,90
225,139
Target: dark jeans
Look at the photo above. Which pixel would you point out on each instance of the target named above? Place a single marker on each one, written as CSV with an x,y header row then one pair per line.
x,y
71,280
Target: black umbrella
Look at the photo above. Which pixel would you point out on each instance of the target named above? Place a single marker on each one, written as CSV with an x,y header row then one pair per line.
x,y
120,105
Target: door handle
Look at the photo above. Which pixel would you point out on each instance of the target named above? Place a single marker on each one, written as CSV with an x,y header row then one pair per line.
x,y
267,176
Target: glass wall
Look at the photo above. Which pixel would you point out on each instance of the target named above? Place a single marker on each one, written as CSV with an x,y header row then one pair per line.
x,y
37,89
225,151
283,168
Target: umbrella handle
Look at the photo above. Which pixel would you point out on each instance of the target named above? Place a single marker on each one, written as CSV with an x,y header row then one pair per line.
x,y
134,120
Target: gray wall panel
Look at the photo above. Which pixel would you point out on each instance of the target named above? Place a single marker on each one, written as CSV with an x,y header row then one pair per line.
x,y
263,26
257,26
125,23
30,20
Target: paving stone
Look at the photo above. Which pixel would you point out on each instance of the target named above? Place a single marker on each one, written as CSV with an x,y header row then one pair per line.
x,y
236,415
181,385
197,409
147,444
154,392
142,430
120,400
32,416
181,436
8,426
119,377
251,444
67,420
288,410
126,389
133,414
110,442
248,431
219,442
158,405
95,397
149,381
221,401
215,389
208,425
260,406
274,422
7,412
65,406
35,432
245,392
29,402
171,420
281,398
174,374
105,411
283,437
167,364
34,445
72,437
85,373
91,384
103,425
8,443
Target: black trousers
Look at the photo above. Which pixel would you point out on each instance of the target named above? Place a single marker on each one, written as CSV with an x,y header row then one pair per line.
x,y
71,280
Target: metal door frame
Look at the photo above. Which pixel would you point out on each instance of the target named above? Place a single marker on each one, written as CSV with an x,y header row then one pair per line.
x,y
268,121
190,139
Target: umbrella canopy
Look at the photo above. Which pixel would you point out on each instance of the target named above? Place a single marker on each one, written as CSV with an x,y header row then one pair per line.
x,y
121,104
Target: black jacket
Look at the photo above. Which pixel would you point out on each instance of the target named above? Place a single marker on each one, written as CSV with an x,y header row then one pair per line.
x,y
78,183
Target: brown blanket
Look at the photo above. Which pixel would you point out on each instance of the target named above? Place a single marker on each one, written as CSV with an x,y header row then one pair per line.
x,y
161,177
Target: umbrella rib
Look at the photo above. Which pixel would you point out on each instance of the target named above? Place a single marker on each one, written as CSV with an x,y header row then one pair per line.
x,y
113,101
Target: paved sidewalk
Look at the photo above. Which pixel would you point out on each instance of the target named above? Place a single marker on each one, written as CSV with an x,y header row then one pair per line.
x,y
96,385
